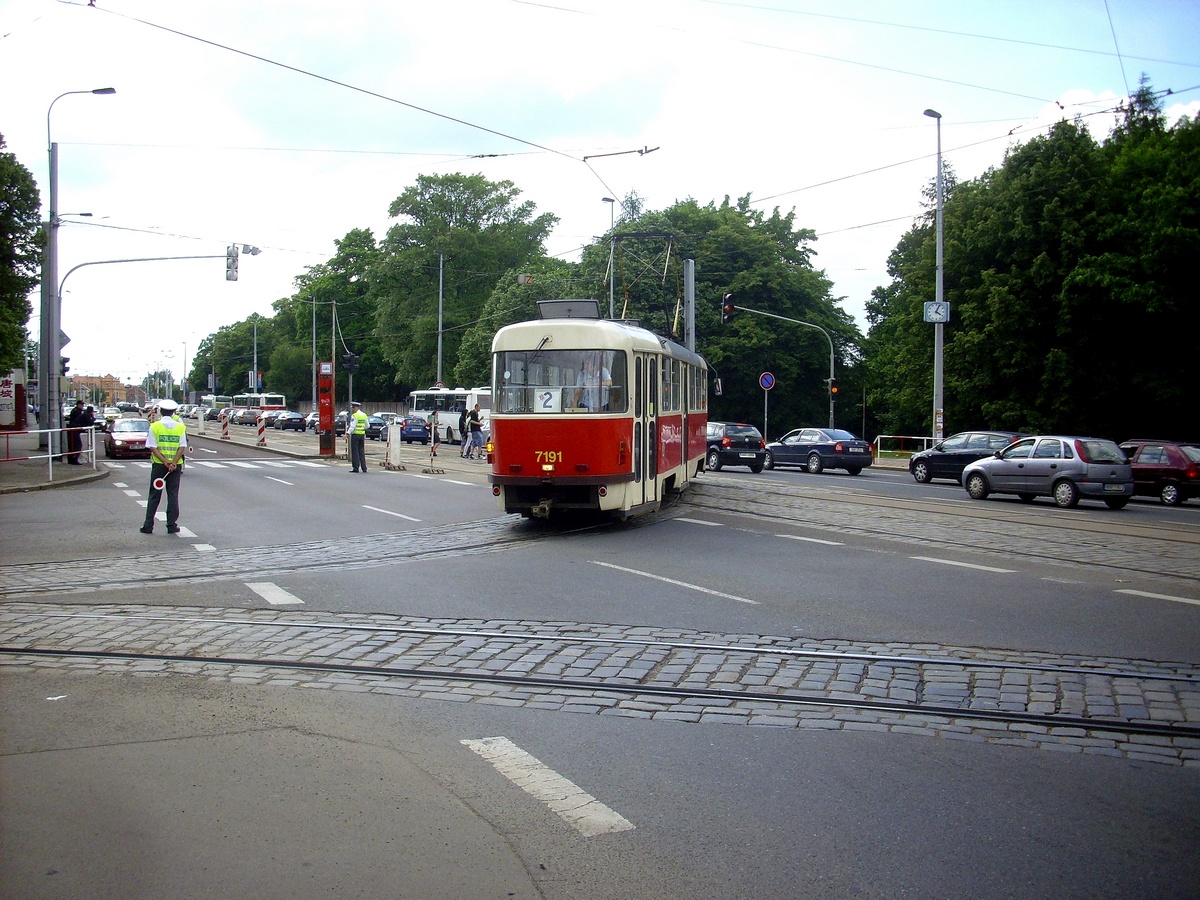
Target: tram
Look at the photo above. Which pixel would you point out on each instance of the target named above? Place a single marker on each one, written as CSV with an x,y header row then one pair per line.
x,y
592,415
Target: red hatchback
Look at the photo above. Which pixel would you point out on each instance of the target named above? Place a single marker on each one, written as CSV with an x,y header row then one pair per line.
x,y
127,437
1169,470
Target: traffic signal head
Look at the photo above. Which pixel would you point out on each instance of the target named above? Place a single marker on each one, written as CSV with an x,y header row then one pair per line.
x,y
62,361
727,309
231,262
833,389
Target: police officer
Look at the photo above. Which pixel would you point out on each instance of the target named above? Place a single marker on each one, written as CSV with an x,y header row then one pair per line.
x,y
357,429
166,442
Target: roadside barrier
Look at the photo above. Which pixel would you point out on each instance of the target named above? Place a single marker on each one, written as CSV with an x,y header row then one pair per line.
x,y
262,432
224,428
901,445
29,440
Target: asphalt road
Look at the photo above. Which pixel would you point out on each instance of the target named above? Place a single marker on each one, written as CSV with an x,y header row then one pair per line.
x,y
314,783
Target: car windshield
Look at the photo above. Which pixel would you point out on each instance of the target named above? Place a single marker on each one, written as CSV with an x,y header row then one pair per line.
x,y
1192,453
742,431
838,435
131,425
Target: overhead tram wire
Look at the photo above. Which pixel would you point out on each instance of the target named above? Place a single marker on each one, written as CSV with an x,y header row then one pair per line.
x,y
343,84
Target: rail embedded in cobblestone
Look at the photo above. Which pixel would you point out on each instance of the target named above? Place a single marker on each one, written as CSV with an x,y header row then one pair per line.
x,y
1120,707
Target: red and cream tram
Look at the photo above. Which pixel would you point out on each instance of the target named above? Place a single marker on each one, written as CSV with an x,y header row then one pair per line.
x,y
590,414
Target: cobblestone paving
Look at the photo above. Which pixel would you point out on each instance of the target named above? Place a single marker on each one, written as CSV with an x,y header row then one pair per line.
x,y
623,665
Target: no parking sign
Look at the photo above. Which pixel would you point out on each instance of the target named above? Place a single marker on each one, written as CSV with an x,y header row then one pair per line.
x,y
766,381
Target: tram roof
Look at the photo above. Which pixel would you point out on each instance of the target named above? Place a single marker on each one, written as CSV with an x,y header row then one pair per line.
x,y
588,334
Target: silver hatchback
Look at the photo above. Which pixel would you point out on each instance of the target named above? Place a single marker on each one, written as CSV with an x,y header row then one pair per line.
x,y
1065,468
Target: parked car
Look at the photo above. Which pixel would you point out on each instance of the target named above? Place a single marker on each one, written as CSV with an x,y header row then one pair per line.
x,y
246,417
270,415
948,458
111,414
414,429
375,426
127,437
1065,468
1168,470
818,449
312,421
734,444
290,420
212,414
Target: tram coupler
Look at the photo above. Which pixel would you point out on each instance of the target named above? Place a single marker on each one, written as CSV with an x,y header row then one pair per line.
x,y
541,510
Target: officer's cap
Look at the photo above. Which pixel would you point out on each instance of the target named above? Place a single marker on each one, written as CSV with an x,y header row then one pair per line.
x,y
168,406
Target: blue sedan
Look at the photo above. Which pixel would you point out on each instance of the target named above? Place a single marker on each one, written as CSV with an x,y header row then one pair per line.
x,y
817,449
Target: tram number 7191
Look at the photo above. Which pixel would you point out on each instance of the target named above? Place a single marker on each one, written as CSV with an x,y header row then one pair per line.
x,y
549,456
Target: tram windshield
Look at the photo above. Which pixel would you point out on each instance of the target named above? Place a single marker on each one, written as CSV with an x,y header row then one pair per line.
x,y
561,381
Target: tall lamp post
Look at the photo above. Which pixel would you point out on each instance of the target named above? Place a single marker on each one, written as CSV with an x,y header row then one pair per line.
x,y
612,244
939,325
51,316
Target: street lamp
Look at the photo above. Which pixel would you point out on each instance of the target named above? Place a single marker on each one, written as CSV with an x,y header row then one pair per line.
x,y
939,326
51,317
612,244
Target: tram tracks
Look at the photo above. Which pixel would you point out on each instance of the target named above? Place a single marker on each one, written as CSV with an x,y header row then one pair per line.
x,y
1107,704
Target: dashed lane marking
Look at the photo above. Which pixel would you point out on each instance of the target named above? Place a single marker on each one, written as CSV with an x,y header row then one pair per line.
x,y
1158,596
132,493
274,594
280,480
684,584
204,548
388,512
810,540
697,522
567,800
963,565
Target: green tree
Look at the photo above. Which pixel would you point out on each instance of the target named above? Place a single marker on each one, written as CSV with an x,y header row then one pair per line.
x,y
21,243
470,229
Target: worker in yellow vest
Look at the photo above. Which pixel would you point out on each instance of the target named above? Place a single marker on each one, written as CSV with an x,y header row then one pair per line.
x,y
167,443
357,429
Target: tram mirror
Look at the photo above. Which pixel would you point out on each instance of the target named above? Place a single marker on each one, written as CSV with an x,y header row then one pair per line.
x,y
717,386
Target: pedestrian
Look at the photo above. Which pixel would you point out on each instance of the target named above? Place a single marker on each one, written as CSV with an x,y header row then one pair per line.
x,y
167,443
463,435
475,422
357,429
75,426
433,432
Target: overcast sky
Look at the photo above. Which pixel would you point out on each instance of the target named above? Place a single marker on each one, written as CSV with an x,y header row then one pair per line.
x,y
285,125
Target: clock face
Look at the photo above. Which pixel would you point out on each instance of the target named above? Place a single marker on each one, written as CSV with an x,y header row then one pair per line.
x,y
937,312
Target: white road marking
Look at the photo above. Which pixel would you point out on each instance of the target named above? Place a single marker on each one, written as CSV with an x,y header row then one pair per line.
x,y
694,587
388,512
209,463
456,481
132,493
575,806
244,465
204,548
280,480
1157,596
273,593
120,484
278,465
796,537
697,522
951,562
305,462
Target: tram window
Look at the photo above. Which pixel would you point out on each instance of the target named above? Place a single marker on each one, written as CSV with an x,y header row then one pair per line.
x,y
567,381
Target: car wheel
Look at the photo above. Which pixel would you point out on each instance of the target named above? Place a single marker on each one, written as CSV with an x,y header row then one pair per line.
x,y
1170,494
1027,497
977,487
713,463
769,460
854,471
814,463
1116,502
756,468
1066,495
920,473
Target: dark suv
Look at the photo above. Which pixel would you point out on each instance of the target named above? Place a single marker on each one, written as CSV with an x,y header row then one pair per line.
x,y
735,444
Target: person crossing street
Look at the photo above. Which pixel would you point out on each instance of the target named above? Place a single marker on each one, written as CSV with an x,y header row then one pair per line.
x,y
167,443
357,429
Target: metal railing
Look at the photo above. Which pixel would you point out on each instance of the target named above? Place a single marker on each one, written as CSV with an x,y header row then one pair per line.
x,y
32,436
900,445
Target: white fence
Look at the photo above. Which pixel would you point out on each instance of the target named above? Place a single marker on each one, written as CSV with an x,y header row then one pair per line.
x,y
902,443
21,446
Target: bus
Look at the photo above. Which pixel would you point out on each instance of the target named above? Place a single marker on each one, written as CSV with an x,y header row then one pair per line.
x,y
448,403
259,401
215,402
593,415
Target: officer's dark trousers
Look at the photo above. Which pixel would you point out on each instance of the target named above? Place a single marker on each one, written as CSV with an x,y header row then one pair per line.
x,y
158,470
358,452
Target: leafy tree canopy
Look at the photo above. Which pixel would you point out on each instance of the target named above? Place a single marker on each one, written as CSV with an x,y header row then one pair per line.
x,y
21,243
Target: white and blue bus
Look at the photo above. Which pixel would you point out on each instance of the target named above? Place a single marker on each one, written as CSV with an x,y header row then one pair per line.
x,y
448,403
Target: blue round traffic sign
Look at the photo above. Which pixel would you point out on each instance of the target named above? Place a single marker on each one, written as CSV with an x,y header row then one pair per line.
x,y
766,381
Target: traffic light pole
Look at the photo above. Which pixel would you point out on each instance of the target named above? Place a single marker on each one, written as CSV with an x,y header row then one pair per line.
x,y
832,379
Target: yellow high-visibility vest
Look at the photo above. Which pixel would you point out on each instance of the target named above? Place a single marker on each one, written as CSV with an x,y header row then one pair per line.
x,y
168,438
